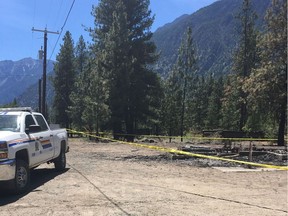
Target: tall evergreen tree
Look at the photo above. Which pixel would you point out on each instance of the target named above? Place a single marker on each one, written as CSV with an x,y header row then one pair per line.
x,y
172,105
181,80
81,55
198,102
95,112
122,44
267,86
78,93
230,106
213,117
64,80
245,56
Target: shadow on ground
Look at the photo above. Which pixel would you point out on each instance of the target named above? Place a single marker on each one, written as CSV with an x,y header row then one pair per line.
x,y
38,178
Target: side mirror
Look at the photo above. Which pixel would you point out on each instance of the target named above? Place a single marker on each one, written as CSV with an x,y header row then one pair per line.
x,y
33,129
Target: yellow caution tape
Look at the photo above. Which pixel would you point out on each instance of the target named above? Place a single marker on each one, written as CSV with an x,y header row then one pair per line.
x,y
189,137
169,150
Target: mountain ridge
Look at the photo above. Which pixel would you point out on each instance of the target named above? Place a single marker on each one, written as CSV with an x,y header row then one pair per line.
x,y
214,31
17,76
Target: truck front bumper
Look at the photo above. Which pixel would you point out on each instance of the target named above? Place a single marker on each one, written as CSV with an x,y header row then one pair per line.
x,y
7,170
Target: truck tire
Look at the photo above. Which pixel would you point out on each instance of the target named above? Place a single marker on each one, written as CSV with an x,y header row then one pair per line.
x,y
60,161
21,182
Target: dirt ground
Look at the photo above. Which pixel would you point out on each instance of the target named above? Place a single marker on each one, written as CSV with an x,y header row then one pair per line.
x,y
118,179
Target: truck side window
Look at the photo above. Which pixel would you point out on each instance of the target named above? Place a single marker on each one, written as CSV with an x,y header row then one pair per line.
x,y
29,121
41,122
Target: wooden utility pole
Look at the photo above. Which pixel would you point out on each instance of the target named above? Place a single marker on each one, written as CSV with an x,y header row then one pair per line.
x,y
40,96
43,98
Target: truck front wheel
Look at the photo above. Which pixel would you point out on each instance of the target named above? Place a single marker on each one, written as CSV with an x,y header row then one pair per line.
x,y
21,182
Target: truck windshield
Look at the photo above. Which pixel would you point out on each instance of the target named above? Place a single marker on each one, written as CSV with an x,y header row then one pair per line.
x,y
9,123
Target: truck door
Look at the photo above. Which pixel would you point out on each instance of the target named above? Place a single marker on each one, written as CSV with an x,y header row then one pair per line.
x,y
34,150
45,138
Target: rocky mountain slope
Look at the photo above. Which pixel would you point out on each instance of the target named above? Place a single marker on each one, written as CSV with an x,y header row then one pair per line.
x,y
215,33
17,76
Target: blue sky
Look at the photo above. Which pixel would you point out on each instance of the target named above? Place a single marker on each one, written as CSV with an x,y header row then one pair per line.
x,y
17,17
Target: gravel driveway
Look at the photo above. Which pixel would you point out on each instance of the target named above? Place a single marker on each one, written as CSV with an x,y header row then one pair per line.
x,y
117,179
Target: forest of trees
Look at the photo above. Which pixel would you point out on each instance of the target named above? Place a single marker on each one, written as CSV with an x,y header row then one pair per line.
x,y
110,85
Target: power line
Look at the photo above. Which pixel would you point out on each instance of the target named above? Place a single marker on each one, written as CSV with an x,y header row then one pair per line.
x,y
62,29
58,13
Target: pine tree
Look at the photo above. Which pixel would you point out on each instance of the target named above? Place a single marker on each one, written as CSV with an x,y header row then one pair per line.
x,y
198,103
95,113
181,81
64,81
267,86
120,65
122,44
213,117
81,55
230,107
172,105
245,56
78,93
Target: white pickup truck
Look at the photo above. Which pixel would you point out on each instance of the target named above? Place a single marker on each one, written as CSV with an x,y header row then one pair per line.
x,y
26,141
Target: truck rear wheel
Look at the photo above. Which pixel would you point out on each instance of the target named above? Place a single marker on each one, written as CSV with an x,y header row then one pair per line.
x,y
21,182
60,161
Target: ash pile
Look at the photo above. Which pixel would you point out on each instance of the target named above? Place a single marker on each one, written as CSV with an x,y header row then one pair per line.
x,y
263,154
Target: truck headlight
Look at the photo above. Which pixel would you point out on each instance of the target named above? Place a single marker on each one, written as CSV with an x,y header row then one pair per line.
x,y
3,155
3,146
3,150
